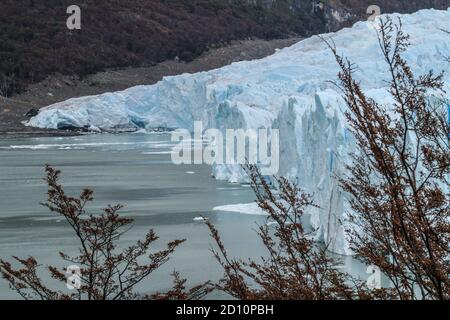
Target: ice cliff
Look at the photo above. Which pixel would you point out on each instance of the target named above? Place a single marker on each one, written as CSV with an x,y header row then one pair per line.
x,y
290,90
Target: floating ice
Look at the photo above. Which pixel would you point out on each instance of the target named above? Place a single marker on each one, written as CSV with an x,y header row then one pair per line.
x,y
200,219
246,208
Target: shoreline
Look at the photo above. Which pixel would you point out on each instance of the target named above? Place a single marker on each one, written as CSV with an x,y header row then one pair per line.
x,y
58,88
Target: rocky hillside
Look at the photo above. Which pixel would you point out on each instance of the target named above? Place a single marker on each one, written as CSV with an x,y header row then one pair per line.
x,y
34,40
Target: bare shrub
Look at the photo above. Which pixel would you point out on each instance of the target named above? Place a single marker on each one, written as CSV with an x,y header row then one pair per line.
x,y
296,267
398,180
106,273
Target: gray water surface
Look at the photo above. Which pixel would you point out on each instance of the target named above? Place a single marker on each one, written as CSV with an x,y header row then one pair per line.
x,y
134,170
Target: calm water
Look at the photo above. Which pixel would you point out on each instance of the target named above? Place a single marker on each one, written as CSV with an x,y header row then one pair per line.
x,y
131,169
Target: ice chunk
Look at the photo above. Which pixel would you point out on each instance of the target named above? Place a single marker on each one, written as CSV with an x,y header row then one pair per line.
x,y
246,208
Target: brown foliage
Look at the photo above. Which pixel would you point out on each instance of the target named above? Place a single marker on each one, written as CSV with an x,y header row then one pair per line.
x,y
296,267
398,180
105,273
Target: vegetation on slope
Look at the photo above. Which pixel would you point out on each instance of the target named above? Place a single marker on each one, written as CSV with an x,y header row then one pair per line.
x,y
34,40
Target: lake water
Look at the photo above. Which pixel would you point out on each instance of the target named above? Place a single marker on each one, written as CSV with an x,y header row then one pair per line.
x,y
134,170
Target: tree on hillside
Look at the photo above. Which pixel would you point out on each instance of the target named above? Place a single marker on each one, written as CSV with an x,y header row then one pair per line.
x,y
6,84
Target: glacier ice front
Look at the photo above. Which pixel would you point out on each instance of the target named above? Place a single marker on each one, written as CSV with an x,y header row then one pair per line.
x,y
291,90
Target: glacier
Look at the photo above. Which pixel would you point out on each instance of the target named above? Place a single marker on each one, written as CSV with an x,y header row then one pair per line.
x,y
292,91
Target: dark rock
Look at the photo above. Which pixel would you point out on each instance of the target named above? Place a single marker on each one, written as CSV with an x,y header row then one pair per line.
x,y
32,113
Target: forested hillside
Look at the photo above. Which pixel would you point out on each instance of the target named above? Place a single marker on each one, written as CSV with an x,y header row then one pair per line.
x,y
34,40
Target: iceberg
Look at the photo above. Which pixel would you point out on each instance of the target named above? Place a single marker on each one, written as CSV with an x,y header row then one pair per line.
x,y
291,91
242,208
